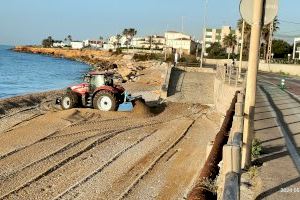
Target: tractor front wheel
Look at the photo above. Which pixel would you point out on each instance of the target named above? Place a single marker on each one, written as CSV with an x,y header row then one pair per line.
x,y
68,101
105,101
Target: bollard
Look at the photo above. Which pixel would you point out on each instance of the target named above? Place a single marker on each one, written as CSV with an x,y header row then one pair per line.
x,y
232,189
240,98
231,159
239,107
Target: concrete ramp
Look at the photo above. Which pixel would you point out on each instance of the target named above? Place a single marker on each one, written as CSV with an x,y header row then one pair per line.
x,y
191,87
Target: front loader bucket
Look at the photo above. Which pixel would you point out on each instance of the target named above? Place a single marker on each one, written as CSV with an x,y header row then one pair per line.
x,y
125,107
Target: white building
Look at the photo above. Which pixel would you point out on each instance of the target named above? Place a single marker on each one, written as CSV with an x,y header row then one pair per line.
x,y
108,46
153,42
218,35
180,42
114,41
296,50
93,43
77,44
59,44
139,42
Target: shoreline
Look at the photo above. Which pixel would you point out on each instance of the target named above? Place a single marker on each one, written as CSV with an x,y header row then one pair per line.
x,y
126,67
143,77
88,56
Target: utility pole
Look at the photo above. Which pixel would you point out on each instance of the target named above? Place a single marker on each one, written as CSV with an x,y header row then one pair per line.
x,y
204,32
166,39
251,81
180,53
241,50
269,53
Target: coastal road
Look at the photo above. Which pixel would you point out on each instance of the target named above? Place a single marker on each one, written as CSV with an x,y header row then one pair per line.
x,y
292,83
277,126
88,154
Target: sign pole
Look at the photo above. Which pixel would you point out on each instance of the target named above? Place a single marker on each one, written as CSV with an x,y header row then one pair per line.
x,y
253,63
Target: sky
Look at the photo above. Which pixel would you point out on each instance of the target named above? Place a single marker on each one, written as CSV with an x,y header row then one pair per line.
x,y
30,21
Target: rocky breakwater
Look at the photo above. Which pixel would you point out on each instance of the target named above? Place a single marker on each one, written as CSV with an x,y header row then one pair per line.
x,y
137,76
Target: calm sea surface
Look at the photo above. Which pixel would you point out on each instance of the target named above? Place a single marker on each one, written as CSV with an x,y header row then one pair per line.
x,y
22,73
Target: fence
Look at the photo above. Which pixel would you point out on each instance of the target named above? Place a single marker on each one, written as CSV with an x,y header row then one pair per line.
x,y
231,75
188,64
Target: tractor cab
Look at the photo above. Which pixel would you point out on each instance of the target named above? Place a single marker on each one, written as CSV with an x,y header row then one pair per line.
x,y
98,79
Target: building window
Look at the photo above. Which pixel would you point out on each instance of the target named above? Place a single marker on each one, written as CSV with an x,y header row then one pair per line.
x,y
208,30
218,31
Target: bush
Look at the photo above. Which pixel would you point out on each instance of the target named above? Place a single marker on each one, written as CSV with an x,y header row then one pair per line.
x,y
182,59
216,51
145,57
256,149
118,51
110,50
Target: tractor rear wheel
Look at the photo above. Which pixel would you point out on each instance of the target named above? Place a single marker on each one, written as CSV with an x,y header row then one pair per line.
x,y
68,101
105,101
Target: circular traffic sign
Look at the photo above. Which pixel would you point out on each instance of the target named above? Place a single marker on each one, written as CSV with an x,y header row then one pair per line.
x,y
271,10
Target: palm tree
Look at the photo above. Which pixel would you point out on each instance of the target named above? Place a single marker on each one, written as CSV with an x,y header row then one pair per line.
x,y
265,34
129,34
118,37
230,41
150,40
69,38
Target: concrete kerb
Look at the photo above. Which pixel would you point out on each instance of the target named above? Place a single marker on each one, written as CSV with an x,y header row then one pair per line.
x,y
231,168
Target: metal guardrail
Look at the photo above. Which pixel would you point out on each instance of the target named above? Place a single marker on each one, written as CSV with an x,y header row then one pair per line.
x,y
188,64
230,74
211,168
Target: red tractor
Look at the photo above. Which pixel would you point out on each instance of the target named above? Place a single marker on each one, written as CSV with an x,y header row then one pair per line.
x,y
98,91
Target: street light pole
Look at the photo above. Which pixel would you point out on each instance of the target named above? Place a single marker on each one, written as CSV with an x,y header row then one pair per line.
x,y
204,31
180,53
241,50
251,82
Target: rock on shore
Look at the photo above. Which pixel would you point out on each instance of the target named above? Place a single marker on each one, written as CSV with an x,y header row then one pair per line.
x,y
128,69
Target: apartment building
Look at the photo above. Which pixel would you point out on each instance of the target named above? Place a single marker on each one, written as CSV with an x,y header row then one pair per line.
x,y
180,42
213,35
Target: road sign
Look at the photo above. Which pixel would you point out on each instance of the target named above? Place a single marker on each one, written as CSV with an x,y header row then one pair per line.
x,y
271,10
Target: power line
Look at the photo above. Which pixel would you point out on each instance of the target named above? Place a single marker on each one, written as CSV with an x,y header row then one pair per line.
x,y
290,22
293,31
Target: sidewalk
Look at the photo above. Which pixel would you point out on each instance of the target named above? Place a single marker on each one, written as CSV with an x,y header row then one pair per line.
x,y
277,126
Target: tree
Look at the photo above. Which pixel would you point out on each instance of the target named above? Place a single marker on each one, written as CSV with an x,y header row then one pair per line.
x,y
216,51
118,37
230,41
129,34
69,38
150,40
48,42
266,34
281,48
